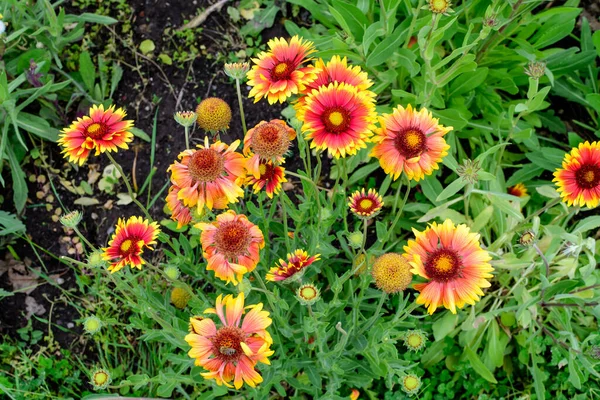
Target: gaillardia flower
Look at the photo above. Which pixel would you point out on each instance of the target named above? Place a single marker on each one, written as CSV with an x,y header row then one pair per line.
x,y
411,383
180,297
231,245
293,268
179,212
267,141
278,73
270,178
338,118
391,273
213,114
451,258
365,205
415,340
308,294
103,130
208,175
578,182
127,243
410,141
231,352
236,70
518,190
100,379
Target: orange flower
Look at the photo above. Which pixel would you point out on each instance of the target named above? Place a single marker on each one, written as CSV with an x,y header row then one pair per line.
x,y
578,182
179,212
518,190
278,73
267,141
103,130
451,258
209,176
338,118
231,352
410,141
127,243
293,268
365,205
270,178
231,246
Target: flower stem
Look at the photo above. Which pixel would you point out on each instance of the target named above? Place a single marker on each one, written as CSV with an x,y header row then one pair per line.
x,y
242,116
285,223
131,194
398,213
187,137
92,247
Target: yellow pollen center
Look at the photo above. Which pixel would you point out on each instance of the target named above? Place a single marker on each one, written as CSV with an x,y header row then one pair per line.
x,y
100,378
366,203
589,176
262,168
308,293
413,139
443,264
336,118
126,245
410,383
93,128
281,68
439,5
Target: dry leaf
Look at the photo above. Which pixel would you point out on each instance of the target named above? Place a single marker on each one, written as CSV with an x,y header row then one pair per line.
x,y
32,307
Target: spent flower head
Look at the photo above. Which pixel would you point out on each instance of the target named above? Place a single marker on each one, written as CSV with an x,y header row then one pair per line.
x,y
100,379
92,324
172,272
527,238
415,340
72,219
95,259
180,297
468,171
440,6
185,118
535,69
411,383
391,273
237,70
213,114
308,294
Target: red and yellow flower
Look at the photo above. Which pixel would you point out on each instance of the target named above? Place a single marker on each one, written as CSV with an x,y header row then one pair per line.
x,y
267,141
128,242
209,176
293,268
365,205
519,190
231,352
102,130
578,181
279,73
270,178
338,118
231,246
452,260
179,212
410,141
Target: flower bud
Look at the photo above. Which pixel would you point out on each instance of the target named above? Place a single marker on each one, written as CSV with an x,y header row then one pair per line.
x,y
92,324
100,379
72,219
308,294
185,118
237,70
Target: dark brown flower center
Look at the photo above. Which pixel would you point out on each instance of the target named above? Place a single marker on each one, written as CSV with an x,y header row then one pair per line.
x,y
411,143
588,176
281,71
365,205
270,140
226,343
96,130
232,239
443,265
206,165
336,120
267,171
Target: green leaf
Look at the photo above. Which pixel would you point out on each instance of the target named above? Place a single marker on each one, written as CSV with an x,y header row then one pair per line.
x,y
10,223
87,70
478,366
407,59
596,40
538,382
36,125
140,133
526,173
372,32
587,224
93,18
18,178
147,46
381,53
350,18
482,219
444,325
451,189
3,86
117,74
467,82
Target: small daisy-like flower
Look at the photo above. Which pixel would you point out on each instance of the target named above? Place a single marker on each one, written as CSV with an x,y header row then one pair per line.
x,y
185,118
279,73
267,141
179,212
213,114
578,181
308,294
128,242
72,219
361,264
518,190
172,272
103,130
440,6
292,269
209,175
180,297
231,246
365,205
415,340
527,238
100,379
92,324
391,273
231,352
338,118
411,384
236,70
452,259
411,142
270,178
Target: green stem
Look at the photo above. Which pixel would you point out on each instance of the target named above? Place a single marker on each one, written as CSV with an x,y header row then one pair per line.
x,y
398,214
187,137
92,247
131,194
242,116
285,224
375,316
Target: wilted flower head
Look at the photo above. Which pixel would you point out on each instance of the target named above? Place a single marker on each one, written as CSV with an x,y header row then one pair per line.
x,y
92,324
527,238
172,272
308,294
213,114
468,171
185,118
72,219
237,70
361,264
415,339
391,273
180,297
411,384
440,6
491,20
100,379
535,69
